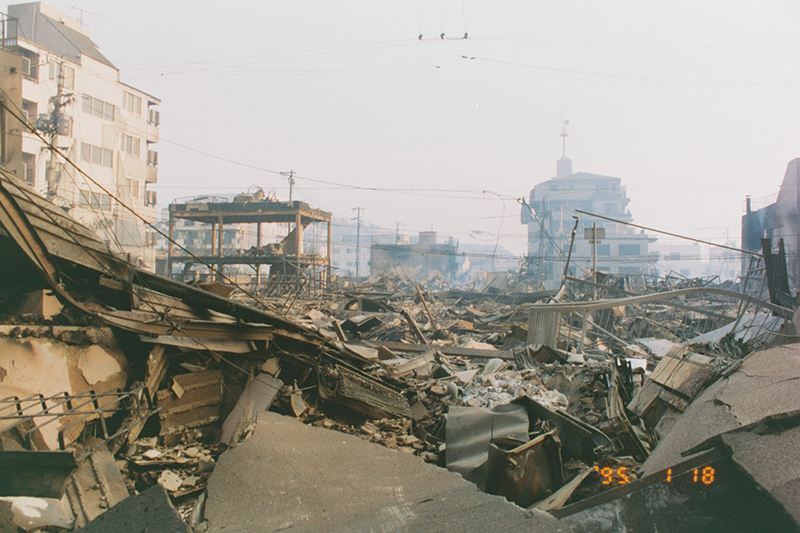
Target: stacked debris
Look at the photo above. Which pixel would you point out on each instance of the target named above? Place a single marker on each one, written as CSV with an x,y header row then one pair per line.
x,y
120,389
204,363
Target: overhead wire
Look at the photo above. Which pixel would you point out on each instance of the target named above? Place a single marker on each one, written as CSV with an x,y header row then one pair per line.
x,y
102,264
641,79
63,156
100,214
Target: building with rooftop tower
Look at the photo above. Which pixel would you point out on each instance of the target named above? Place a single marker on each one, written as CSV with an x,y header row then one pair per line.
x,y
623,250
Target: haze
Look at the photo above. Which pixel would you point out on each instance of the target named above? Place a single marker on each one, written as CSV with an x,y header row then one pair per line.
x,y
693,104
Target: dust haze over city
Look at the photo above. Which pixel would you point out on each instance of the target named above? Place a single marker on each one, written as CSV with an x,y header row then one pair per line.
x,y
692,104
431,265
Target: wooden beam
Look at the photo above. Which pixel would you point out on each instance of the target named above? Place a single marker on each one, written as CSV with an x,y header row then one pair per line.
x,y
476,353
414,328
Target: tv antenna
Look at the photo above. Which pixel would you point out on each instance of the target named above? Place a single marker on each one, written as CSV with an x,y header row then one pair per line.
x,y
81,11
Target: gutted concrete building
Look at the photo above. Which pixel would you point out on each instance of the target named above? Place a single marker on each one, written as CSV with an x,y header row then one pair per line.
x,y
776,221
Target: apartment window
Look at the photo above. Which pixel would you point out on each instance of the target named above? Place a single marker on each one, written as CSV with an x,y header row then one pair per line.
x,y
96,155
133,188
98,107
94,200
155,118
69,77
30,110
130,144
29,168
603,249
55,70
132,103
30,64
629,249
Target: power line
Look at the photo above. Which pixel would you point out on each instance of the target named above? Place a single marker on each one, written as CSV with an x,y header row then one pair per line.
x,y
668,233
56,150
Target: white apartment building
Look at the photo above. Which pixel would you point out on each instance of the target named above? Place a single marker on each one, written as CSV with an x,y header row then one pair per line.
x,y
73,96
622,251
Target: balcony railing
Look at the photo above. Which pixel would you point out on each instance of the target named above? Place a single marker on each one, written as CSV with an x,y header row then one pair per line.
x,y
8,32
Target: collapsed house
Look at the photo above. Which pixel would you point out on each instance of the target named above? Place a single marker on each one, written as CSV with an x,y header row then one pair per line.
x,y
121,391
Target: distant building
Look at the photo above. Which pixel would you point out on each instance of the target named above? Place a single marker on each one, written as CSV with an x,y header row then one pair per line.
x,y
72,94
777,221
623,250
350,252
416,259
687,259
724,263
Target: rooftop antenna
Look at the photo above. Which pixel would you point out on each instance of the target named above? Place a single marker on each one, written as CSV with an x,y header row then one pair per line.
x,y
82,11
564,135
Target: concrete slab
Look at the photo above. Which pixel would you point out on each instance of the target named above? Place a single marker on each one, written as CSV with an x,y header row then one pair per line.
x,y
147,512
291,476
772,462
764,385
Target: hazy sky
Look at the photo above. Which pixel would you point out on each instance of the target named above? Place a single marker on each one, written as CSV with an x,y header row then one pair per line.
x,y
694,104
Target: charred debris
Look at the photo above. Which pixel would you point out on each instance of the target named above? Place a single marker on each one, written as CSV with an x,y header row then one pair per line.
x,y
120,389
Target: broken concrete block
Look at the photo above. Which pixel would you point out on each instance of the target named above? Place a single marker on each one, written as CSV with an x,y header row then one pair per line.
x,y
34,514
272,366
40,303
148,512
419,411
95,486
170,480
257,396
97,365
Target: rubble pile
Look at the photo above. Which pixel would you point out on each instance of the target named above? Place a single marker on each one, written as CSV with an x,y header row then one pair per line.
x,y
114,381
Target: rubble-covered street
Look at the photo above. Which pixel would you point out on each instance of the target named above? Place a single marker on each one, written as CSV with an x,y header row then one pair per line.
x,y
125,392
399,267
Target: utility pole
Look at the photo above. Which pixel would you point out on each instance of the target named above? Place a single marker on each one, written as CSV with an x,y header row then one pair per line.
x,y
397,232
359,211
55,122
289,175
594,235
542,231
